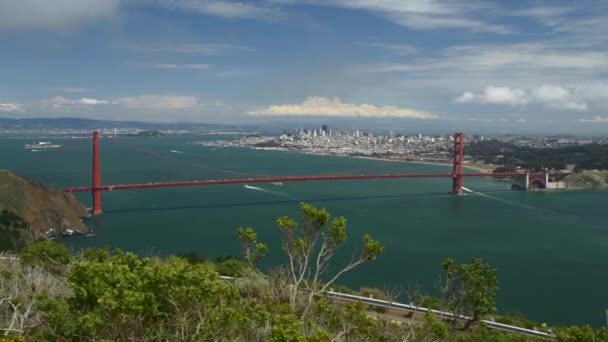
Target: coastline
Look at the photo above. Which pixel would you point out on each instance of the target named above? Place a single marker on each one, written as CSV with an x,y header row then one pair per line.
x,y
470,166
466,165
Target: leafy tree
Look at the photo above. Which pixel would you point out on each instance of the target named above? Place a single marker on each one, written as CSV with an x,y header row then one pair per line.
x,y
469,290
309,248
253,250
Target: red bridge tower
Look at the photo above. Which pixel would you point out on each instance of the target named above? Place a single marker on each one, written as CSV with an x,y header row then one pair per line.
x,y
458,168
96,185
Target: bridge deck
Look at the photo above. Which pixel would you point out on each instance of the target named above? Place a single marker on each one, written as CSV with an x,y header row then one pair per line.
x,y
283,179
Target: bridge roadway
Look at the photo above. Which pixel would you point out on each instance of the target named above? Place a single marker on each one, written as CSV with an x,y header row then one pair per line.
x,y
286,179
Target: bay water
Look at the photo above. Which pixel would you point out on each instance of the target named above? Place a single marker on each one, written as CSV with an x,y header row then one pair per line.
x,y
550,247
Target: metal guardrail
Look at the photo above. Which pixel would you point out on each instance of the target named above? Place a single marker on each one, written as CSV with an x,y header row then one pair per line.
x,y
441,314
423,310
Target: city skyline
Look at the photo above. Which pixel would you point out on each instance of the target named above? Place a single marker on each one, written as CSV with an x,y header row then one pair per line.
x,y
430,65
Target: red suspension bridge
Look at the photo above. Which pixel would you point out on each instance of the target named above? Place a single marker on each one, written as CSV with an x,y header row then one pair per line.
x,y
457,175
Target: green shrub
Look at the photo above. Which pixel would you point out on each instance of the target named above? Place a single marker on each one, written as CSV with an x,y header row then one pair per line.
x,y
49,255
231,268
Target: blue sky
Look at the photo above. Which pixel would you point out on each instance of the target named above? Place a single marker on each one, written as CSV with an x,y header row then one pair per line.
x,y
506,66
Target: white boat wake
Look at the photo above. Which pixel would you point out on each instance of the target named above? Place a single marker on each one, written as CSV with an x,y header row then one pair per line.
x,y
256,188
176,151
500,199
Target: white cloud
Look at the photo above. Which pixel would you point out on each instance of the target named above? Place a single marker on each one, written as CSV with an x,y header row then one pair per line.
x,y
595,119
422,14
87,101
494,95
159,102
430,22
10,108
474,65
183,66
151,101
547,15
551,96
52,15
551,93
320,106
60,101
557,97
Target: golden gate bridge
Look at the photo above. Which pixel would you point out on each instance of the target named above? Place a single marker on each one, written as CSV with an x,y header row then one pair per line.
x,y
457,176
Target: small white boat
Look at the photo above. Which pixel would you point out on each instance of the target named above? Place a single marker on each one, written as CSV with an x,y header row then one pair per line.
x,y
41,145
277,183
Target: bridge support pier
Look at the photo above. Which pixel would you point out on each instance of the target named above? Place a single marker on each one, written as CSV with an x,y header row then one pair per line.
x,y
458,167
527,181
96,184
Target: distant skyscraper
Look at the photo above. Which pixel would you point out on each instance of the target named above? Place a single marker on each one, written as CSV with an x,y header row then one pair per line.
x,y
324,128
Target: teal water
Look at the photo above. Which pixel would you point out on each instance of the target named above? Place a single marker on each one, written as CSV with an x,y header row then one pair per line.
x,y
550,248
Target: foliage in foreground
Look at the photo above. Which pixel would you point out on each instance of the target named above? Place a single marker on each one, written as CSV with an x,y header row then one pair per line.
x,y
50,295
309,247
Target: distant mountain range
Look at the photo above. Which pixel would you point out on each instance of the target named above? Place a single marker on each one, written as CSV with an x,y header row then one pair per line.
x,y
77,123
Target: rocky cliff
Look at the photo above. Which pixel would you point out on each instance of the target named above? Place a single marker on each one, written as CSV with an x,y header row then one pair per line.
x,y
47,210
